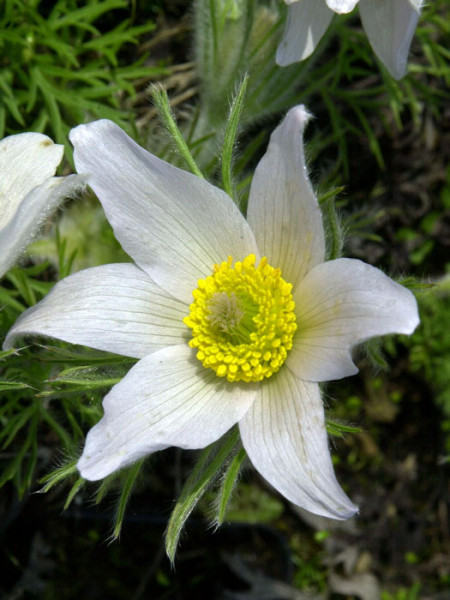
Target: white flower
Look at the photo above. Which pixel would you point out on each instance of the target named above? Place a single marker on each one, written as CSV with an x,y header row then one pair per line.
x,y
389,25
28,191
267,329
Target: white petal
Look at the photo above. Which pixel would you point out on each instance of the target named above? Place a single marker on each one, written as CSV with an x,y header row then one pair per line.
x,y
307,21
285,438
339,304
31,214
174,225
26,161
116,308
342,6
283,210
167,399
390,27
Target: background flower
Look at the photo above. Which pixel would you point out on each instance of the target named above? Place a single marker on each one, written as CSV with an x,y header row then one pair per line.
x,y
389,25
28,191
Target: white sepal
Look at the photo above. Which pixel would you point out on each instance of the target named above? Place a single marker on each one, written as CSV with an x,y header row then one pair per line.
x,y
116,308
166,399
285,438
173,224
339,304
283,210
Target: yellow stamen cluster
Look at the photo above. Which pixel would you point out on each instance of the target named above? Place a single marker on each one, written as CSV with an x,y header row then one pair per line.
x,y
242,320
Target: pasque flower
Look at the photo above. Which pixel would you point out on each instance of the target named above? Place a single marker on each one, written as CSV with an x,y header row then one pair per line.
x,y
389,25
234,320
28,191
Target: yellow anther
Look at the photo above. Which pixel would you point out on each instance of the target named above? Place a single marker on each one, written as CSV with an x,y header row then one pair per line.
x,y
242,319
221,370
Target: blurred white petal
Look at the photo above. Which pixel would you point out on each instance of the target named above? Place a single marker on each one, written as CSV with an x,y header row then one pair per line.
x,y
26,161
31,214
389,24
28,191
342,6
307,21
390,27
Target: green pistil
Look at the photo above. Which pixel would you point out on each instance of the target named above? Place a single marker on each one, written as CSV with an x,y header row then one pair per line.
x,y
232,316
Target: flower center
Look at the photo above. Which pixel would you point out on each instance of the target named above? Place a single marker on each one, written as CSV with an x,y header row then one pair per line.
x,y
242,320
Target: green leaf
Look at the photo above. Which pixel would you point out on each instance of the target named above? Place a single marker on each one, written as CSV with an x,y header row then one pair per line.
x,y
13,468
30,289
83,377
17,423
228,485
230,137
374,350
161,100
57,428
79,483
59,475
7,386
127,489
28,472
334,230
205,472
254,505
340,429
86,14
5,353
10,102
